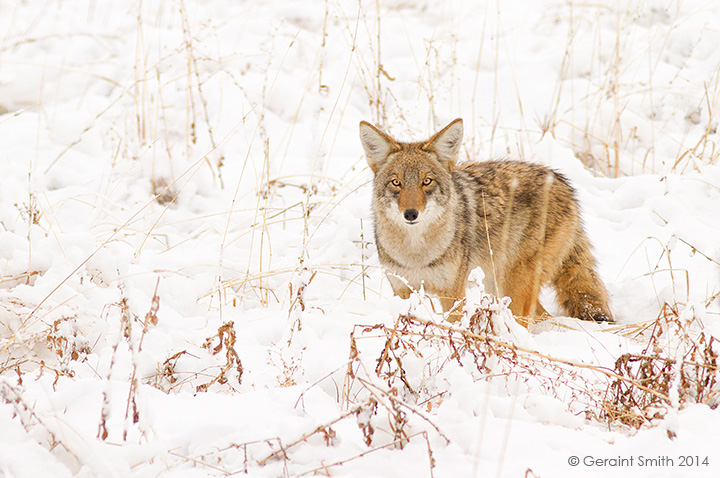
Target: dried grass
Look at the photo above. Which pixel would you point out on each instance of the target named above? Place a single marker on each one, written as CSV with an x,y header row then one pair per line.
x,y
678,367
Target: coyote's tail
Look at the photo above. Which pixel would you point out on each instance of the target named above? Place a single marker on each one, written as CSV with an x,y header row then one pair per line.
x,y
580,291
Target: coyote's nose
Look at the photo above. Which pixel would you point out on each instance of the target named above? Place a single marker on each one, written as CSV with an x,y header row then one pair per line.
x,y
410,215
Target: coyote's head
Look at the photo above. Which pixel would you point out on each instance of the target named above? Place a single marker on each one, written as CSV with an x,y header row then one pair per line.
x,y
413,182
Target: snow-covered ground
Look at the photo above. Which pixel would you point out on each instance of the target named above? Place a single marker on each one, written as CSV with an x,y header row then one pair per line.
x,y
189,281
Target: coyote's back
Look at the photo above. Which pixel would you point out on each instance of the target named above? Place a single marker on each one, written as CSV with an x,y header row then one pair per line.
x,y
434,222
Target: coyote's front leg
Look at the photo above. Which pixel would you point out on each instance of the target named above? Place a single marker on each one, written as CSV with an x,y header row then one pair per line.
x,y
399,286
453,298
454,305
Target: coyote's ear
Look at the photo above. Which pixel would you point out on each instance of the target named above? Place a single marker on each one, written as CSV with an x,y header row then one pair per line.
x,y
377,145
446,143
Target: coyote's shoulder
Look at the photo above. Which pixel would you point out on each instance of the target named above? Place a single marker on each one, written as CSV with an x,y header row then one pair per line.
x,y
435,221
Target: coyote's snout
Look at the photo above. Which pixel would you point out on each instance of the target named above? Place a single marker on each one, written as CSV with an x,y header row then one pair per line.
x,y
435,222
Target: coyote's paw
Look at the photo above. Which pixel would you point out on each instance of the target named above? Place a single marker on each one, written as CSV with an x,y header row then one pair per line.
x,y
596,316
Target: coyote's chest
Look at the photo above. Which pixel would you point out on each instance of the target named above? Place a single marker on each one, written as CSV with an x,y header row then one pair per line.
x,y
418,253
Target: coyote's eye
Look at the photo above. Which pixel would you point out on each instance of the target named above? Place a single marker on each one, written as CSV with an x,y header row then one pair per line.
x,y
427,181
395,182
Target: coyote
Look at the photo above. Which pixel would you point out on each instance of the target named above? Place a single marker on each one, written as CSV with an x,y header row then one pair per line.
x,y
518,221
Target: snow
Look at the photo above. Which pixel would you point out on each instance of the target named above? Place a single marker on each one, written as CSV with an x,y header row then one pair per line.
x,y
206,152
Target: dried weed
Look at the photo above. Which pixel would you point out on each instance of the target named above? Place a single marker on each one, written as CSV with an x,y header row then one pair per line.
x,y
226,340
678,366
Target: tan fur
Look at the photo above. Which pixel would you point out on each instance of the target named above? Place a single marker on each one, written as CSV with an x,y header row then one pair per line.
x,y
435,222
